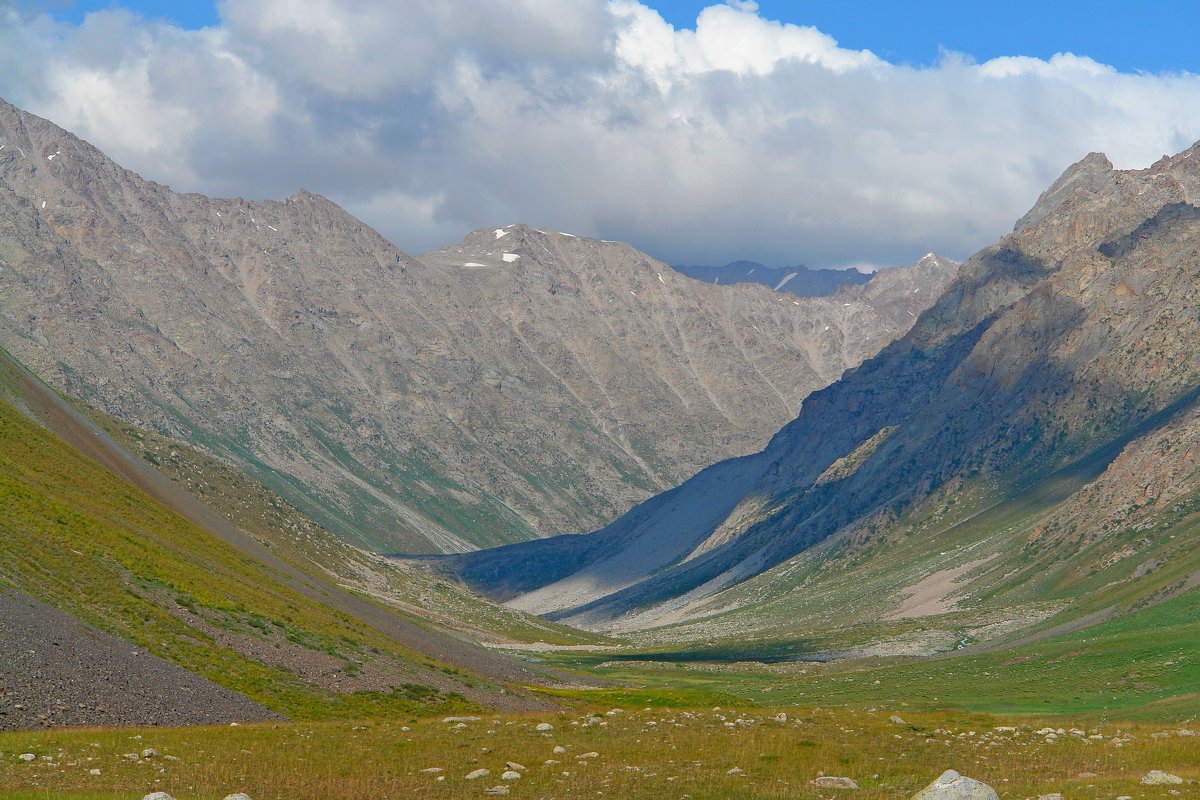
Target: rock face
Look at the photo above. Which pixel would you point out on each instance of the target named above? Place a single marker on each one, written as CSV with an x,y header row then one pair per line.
x,y
952,786
521,383
1069,348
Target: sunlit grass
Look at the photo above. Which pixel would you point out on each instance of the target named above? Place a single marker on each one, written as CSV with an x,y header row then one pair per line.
x,y
655,753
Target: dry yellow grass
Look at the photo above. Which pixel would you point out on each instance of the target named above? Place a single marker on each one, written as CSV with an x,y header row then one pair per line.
x,y
657,753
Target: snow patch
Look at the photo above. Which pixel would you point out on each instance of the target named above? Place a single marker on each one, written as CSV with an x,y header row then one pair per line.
x,y
43,204
474,264
510,257
272,227
501,233
660,279
53,156
783,282
573,236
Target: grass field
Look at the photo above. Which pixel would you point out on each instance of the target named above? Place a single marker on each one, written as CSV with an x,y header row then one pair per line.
x,y
638,753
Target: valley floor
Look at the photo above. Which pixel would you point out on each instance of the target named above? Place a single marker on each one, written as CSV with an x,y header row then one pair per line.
x,y
658,752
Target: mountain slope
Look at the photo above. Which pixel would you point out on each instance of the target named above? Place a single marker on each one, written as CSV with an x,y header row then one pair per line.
x,y
1046,402
405,404
90,531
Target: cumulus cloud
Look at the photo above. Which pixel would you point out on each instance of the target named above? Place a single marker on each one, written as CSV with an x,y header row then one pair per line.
x,y
741,138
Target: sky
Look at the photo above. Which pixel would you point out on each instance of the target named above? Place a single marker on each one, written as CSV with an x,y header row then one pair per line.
x,y
829,134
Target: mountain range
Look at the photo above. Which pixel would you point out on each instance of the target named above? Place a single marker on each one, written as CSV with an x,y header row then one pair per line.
x,y
799,280
1025,457
521,383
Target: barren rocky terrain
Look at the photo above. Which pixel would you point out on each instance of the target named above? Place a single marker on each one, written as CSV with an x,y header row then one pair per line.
x,y
55,671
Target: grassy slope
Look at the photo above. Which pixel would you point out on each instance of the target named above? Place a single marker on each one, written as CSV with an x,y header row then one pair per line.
x,y
303,543
79,538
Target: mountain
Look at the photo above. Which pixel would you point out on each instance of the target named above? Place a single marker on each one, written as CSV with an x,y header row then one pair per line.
x,y
126,600
799,280
1022,462
521,383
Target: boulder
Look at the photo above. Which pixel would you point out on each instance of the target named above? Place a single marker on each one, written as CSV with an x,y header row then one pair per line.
x,y
1156,777
952,786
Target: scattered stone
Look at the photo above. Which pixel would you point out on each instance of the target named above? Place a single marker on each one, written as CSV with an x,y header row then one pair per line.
x,y
832,782
238,796
1051,796
589,755
734,771
1156,777
895,720
1085,775
952,786
149,752
544,726
515,765
158,796
496,790
27,757
131,756
559,750
510,775
478,773
780,717
448,720
431,770
93,771
170,758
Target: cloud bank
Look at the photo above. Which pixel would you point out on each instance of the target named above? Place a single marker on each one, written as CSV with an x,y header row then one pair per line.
x,y
740,138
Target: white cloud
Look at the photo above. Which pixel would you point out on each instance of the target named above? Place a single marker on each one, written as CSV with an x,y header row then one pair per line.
x,y
741,138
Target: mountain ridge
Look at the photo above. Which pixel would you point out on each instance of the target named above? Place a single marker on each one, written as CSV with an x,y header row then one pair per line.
x,y
405,403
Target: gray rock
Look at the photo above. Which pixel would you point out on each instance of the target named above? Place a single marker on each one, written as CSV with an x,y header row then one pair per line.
x,y
510,775
238,796
27,757
157,796
833,782
476,774
952,786
496,790
1156,777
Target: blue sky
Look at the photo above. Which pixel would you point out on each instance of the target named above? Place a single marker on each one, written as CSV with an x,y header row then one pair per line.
x,y
1154,36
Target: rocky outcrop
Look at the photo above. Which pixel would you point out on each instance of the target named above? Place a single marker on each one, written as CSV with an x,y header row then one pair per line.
x,y
521,383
